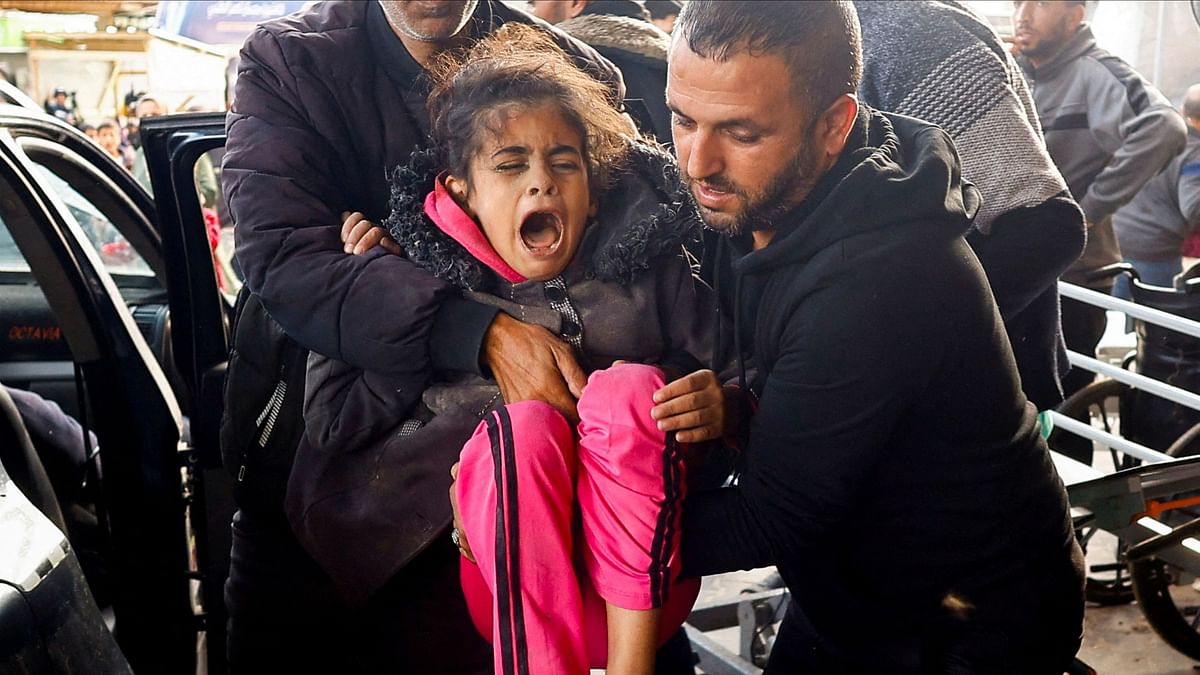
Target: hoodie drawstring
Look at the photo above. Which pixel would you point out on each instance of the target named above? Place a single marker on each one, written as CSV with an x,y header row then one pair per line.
x,y
737,331
718,352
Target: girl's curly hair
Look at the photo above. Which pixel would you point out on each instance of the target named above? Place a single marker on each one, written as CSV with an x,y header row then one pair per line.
x,y
520,66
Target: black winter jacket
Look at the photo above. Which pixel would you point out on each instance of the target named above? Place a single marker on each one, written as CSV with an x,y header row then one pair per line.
x,y
892,459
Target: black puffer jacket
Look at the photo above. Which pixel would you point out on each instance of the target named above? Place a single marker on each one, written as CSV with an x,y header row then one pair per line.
x,y
369,486
893,459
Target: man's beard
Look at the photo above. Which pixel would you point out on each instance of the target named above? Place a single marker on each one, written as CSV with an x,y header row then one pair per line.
x,y
1051,42
784,191
400,21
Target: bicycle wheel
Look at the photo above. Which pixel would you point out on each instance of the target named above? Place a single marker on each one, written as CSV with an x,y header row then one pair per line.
x,y
1186,445
1100,405
1171,608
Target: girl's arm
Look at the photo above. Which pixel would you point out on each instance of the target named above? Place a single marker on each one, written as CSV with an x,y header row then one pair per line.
x,y
360,235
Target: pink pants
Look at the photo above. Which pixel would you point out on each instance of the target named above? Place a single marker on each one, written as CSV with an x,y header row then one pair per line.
x,y
543,575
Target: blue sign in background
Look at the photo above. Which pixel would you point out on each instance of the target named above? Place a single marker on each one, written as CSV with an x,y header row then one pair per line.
x,y
221,22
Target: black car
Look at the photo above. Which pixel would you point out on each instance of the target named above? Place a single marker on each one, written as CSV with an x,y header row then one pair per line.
x,y
117,309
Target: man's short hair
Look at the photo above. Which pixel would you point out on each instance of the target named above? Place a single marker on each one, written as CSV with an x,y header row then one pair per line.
x,y
1191,102
821,42
661,9
633,9
108,123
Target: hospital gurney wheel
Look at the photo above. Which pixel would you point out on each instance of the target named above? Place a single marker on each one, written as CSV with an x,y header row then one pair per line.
x,y
1167,595
1170,608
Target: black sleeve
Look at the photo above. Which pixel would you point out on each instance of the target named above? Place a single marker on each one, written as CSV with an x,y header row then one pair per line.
x,y
375,310
1028,249
456,340
827,410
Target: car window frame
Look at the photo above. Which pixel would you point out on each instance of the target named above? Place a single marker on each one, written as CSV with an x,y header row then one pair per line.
x,y
22,123
103,194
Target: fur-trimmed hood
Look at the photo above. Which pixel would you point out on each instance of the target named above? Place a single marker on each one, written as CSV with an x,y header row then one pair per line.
x,y
646,213
620,32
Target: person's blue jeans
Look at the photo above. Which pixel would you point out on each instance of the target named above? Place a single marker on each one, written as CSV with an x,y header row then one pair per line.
x,y
1153,272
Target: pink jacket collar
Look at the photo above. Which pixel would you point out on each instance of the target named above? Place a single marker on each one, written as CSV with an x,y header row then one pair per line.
x,y
454,221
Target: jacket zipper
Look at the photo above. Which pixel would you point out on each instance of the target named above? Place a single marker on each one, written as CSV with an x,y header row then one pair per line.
x,y
266,421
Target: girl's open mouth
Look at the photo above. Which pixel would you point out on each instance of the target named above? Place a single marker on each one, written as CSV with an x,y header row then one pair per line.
x,y
541,233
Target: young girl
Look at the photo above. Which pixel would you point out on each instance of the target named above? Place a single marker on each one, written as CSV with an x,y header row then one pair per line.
x,y
534,200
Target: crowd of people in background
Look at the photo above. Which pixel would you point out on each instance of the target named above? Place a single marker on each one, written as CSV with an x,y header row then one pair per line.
x,y
119,140
119,137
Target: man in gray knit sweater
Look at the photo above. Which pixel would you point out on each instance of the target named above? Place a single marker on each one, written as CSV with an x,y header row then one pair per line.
x,y
1028,230
1108,130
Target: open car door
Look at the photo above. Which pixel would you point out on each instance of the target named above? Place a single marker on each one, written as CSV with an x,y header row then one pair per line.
x,y
182,154
125,398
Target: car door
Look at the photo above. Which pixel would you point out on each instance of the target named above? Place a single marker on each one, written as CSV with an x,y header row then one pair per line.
x,y
201,286
127,402
118,217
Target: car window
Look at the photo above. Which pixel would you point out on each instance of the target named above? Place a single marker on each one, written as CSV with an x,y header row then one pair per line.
x,y
117,254
29,330
207,176
11,259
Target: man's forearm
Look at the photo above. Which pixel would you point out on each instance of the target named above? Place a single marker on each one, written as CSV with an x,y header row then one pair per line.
x,y
374,311
1151,140
457,337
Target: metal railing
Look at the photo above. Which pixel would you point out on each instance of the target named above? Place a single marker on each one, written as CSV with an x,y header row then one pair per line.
x,y
1133,380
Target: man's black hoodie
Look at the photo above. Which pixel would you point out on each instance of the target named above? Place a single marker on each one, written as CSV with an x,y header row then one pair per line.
x,y
894,468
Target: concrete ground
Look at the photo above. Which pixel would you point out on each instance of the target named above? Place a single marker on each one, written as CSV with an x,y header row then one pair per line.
x,y
1118,641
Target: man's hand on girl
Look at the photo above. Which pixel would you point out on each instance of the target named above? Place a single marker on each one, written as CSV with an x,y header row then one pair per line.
x,y
530,364
360,235
692,406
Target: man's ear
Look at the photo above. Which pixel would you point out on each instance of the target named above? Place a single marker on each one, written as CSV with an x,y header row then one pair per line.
x,y
461,192
575,7
1076,14
833,126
